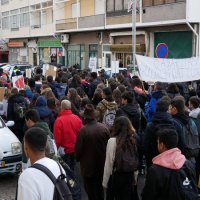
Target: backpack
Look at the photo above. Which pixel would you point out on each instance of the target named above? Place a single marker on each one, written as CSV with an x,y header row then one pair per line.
x,y
20,110
126,160
109,117
197,122
190,139
61,89
72,183
183,185
61,190
51,149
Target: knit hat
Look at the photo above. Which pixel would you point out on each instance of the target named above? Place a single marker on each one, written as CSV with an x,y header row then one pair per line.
x,y
89,112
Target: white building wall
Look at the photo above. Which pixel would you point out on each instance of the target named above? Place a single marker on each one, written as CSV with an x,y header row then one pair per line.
x,y
40,20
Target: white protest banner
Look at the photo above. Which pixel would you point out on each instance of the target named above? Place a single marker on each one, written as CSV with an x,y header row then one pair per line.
x,y
28,73
168,70
18,82
115,67
51,71
45,67
93,64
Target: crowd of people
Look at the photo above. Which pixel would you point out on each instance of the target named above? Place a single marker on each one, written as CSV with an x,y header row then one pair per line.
x,y
116,128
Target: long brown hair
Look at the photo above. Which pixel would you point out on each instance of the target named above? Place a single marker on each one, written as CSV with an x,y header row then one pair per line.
x,y
125,134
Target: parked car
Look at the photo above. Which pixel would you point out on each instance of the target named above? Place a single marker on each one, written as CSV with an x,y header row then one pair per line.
x,y
10,149
3,64
11,69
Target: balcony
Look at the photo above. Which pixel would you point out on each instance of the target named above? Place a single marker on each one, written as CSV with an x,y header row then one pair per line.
x,y
91,21
66,24
120,20
61,1
155,11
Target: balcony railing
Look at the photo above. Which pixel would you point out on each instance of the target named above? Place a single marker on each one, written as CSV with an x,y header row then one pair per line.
x,y
147,3
66,24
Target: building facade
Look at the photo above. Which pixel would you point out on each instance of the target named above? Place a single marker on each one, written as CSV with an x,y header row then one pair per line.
x,y
74,31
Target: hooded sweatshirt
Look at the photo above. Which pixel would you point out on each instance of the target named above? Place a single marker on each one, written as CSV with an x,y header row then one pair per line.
x,y
103,106
132,111
171,159
162,179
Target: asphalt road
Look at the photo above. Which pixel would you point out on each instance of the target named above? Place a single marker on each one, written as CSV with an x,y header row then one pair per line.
x,y
8,184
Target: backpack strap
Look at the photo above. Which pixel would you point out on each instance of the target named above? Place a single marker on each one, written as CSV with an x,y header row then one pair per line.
x,y
46,171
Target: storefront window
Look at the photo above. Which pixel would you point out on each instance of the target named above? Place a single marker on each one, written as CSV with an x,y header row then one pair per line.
x,y
93,49
44,55
76,55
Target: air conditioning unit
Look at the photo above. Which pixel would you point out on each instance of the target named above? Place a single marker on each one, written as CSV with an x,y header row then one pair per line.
x,y
64,38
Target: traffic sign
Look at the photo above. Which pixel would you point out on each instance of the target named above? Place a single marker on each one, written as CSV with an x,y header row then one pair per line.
x,y
162,50
59,54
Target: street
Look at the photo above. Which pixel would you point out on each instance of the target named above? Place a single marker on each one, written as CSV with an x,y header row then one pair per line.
x,y
8,184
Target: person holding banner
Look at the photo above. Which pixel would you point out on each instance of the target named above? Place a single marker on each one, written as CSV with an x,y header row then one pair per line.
x,y
17,106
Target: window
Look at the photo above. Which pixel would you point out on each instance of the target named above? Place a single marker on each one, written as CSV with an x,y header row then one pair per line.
x,y
110,5
5,20
116,5
24,17
44,17
75,10
3,2
14,18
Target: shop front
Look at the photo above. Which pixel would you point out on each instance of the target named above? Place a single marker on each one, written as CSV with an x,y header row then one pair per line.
x,y
50,51
122,53
18,52
76,55
4,52
178,43
120,48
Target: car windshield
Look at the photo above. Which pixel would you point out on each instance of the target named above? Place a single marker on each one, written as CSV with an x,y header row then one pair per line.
x,y
6,68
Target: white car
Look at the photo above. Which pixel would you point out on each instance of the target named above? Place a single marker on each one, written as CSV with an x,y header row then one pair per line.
x,y
10,149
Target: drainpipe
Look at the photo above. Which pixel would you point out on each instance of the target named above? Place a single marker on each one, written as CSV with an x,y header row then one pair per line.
x,y
101,38
197,38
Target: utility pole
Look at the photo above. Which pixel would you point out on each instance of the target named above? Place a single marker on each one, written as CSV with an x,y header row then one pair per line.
x,y
134,33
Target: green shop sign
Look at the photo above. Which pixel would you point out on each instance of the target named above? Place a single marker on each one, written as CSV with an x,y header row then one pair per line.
x,y
49,43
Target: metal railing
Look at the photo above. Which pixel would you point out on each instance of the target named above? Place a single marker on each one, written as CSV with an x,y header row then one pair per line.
x,y
148,3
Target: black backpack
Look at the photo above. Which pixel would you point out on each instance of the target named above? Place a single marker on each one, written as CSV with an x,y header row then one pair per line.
x,y
20,110
61,190
72,183
182,185
190,139
126,160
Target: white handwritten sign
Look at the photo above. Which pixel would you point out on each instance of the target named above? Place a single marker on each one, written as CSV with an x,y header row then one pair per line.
x,y
168,70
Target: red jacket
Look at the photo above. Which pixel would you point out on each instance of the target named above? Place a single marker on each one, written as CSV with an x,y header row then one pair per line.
x,y
66,128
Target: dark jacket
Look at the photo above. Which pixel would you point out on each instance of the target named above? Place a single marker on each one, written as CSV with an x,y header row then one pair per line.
x,y
163,181
90,148
132,111
11,102
92,87
182,119
18,128
155,97
44,126
160,120
45,113
53,88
